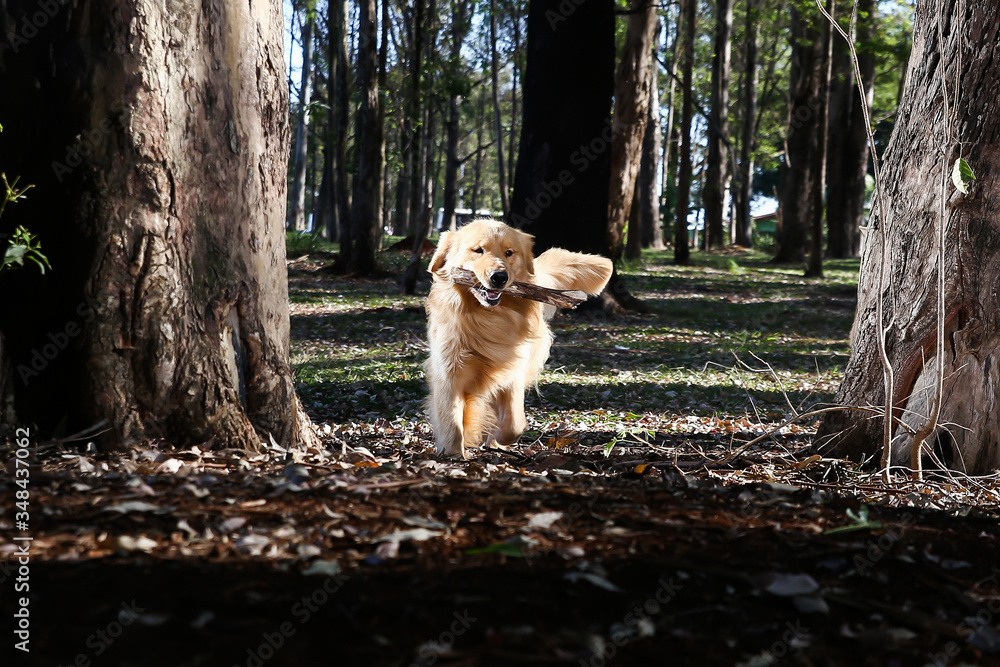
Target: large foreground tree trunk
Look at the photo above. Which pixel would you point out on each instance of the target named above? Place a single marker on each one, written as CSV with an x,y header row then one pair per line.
x,y
563,168
969,435
158,143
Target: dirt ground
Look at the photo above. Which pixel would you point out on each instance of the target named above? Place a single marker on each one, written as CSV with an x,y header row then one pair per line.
x,y
385,556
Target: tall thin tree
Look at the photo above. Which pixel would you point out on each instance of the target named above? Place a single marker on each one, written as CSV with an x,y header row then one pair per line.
x,y
717,174
744,219
456,84
498,118
297,203
633,86
365,208
682,252
814,268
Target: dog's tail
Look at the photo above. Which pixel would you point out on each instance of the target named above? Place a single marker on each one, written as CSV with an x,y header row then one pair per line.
x,y
561,269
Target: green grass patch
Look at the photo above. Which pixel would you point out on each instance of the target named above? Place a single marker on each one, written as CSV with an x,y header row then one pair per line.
x,y
729,337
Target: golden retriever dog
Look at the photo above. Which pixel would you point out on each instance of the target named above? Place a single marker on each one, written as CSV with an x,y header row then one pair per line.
x,y
487,347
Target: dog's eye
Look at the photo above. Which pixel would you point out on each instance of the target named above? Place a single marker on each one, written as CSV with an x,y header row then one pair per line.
x,y
510,252
478,250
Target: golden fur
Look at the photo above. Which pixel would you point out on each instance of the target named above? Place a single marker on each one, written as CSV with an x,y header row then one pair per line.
x,y
486,347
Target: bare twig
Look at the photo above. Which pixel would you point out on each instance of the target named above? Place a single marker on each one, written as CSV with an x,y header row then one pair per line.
x,y
884,282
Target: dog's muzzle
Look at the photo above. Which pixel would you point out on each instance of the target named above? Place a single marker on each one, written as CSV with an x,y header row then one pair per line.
x,y
488,298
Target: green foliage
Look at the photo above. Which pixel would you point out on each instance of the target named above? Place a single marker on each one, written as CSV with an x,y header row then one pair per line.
x,y
23,246
859,522
301,243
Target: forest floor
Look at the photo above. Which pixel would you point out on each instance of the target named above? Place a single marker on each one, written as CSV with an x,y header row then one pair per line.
x,y
633,524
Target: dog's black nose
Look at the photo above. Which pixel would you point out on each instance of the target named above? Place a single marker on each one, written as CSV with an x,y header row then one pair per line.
x,y
498,278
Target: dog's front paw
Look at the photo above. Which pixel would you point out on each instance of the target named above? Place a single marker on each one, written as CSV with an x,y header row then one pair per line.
x,y
449,450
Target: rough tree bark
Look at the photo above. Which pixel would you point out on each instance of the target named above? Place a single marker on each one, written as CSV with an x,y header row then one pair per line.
x,y
799,177
365,206
744,219
969,435
682,251
632,98
847,166
161,147
563,168
297,200
717,173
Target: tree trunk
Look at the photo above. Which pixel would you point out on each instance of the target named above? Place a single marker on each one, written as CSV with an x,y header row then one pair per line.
x,y
459,27
916,173
744,218
478,168
682,253
718,128
847,166
649,200
632,99
814,269
669,138
365,207
297,201
563,168
341,104
325,213
424,21
799,176
415,115
498,119
514,83
167,314
383,95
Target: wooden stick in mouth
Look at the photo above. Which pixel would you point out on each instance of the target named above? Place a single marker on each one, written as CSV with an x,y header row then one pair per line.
x,y
553,297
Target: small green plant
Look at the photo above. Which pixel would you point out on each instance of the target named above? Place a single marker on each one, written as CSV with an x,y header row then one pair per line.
x,y
23,244
859,522
734,268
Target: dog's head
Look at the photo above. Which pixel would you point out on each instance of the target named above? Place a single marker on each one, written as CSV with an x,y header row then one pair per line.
x,y
496,253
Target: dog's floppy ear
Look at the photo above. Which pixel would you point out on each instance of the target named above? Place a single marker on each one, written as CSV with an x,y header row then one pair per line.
x,y
527,245
441,256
